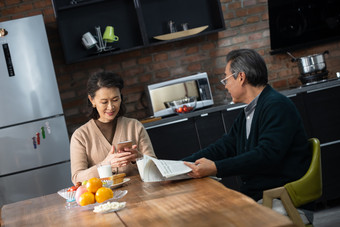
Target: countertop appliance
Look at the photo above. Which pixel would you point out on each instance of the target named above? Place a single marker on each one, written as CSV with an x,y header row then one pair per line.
x,y
296,24
160,94
34,142
312,68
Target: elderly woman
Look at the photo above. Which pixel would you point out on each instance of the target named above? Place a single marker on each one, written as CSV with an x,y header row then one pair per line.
x,y
96,141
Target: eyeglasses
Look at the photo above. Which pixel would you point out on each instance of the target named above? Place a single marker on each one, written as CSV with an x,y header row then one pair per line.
x,y
225,80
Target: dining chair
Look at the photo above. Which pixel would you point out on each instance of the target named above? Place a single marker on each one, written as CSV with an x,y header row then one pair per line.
x,y
302,191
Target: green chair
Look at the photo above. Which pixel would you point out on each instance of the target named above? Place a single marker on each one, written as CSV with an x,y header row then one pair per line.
x,y
302,191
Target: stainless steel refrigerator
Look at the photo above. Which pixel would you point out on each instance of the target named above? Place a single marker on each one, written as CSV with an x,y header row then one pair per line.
x,y
34,143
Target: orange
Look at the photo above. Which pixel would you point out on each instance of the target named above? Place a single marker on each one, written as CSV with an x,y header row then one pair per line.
x,y
86,198
103,194
93,184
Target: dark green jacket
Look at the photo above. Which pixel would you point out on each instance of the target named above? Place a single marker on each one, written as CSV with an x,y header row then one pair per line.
x,y
275,153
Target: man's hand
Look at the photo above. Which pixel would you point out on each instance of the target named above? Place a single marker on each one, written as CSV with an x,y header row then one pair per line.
x,y
201,168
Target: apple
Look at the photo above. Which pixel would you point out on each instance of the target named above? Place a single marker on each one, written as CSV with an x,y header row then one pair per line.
x,y
81,189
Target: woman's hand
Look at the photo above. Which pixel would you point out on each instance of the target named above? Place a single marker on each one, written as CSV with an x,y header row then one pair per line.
x,y
133,154
201,168
117,159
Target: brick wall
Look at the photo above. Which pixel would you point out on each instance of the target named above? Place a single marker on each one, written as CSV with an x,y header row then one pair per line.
x,y
247,27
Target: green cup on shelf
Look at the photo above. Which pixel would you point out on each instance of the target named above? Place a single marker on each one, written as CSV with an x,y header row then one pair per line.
x,y
109,35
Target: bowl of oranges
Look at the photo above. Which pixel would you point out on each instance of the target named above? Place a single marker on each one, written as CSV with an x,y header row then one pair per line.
x,y
91,193
184,105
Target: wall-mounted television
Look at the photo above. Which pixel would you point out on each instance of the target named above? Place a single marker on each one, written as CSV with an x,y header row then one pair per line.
x,y
296,24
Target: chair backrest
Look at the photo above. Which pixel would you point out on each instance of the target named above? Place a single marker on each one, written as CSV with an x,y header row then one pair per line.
x,y
309,187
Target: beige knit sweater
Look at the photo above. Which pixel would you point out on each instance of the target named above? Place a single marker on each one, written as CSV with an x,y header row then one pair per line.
x,y
89,147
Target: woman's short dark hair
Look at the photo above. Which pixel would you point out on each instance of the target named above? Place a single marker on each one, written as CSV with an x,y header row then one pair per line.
x,y
107,80
251,63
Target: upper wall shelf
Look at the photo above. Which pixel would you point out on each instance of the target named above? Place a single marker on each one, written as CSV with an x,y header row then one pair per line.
x,y
136,22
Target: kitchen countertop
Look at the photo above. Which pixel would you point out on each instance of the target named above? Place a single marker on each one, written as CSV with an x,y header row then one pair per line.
x,y
201,112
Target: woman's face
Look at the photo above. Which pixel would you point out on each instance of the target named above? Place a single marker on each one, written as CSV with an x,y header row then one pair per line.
x,y
107,101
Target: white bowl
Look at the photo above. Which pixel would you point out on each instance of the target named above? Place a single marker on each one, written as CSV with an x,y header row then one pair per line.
x,y
69,196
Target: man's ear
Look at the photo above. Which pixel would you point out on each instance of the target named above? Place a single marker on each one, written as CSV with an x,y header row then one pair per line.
x,y
242,77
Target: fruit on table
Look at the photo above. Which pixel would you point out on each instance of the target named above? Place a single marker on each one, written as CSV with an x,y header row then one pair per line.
x,y
84,182
86,198
103,194
184,109
93,184
74,188
79,192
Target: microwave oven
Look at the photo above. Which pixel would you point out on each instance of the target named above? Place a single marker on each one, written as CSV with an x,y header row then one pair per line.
x,y
160,94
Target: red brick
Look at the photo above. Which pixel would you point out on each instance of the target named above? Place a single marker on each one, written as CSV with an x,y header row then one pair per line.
x,y
115,67
145,78
239,39
133,71
144,60
279,84
249,2
161,57
194,58
234,5
11,2
208,46
253,19
163,65
163,74
241,12
255,36
235,23
16,9
254,27
228,15
181,70
192,50
42,4
196,67
176,53
257,9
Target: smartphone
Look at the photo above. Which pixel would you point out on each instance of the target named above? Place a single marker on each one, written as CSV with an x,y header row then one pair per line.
x,y
124,144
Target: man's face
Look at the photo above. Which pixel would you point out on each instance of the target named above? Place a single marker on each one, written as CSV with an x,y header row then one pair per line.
x,y
234,86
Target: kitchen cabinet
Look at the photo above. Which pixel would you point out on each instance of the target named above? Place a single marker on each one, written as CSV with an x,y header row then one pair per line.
x,y
323,111
135,22
175,140
210,128
320,110
330,158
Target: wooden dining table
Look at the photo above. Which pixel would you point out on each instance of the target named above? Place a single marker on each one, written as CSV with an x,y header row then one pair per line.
x,y
192,202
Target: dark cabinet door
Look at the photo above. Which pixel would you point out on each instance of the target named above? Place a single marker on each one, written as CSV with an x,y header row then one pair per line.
x,y
323,114
298,100
174,141
229,117
330,157
210,128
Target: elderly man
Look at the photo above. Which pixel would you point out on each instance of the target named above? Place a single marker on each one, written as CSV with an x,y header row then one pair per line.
x,y
267,145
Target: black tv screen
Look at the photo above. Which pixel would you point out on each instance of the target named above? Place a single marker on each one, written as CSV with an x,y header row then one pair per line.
x,y
296,24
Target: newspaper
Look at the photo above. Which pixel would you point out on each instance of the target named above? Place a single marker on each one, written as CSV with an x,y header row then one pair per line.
x,y
154,170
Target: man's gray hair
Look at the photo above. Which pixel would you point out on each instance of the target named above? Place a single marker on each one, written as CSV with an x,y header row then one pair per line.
x,y
249,62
